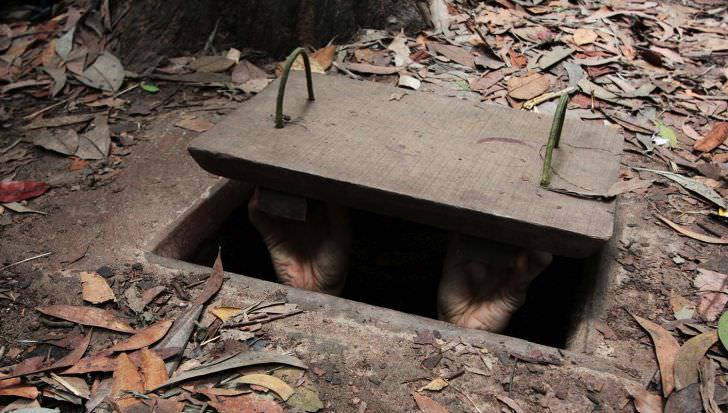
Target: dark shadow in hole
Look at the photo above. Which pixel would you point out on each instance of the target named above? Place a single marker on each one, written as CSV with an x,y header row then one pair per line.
x,y
397,264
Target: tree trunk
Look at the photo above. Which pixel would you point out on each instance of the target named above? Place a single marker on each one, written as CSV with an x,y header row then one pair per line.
x,y
151,29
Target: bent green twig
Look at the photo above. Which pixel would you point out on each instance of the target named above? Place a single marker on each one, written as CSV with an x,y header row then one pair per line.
x,y
554,138
284,78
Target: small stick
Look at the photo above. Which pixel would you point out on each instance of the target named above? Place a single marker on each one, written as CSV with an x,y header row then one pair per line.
x,y
46,109
346,71
547,96
554,138
25,260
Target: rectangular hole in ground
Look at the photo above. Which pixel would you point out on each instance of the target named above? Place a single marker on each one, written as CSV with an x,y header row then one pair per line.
x,y
394,264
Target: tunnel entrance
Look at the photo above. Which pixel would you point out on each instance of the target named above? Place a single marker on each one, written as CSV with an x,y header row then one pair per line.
x,y
394,264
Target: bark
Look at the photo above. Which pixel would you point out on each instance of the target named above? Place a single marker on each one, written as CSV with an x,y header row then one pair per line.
x,y
151,29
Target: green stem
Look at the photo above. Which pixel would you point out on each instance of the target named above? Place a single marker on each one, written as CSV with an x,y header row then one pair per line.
x,y
554,138
284,79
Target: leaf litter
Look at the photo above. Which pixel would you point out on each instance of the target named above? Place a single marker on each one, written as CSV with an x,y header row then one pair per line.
x,y
607,62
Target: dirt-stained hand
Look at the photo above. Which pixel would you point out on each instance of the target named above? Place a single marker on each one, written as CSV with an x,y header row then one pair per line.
x,y
313,254
474,294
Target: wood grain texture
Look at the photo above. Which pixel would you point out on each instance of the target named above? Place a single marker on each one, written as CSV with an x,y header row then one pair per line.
x,y
431,159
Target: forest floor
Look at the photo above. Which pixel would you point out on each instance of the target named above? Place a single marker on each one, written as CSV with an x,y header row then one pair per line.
x,y
93,166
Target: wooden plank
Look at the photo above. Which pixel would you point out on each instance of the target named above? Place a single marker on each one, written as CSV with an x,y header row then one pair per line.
x,y
431,159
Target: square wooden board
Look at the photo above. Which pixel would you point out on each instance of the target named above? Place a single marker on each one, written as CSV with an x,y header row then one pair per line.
x,y
440,161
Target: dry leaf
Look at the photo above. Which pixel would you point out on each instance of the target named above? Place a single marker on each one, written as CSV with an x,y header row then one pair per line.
x,y
246,71
409,82
126,377
585,36
89,316
692,234
245,403
194,124
275,384
153,369
689,356
35,364
95,288
24,391
427,405
510,403
8,382
106,361
454,53
644,401
212,64
226,313
713,292
435,385
717,135
528,87
251,358
373,70
324,56
75,385
622,187
666,348
214,282
144,337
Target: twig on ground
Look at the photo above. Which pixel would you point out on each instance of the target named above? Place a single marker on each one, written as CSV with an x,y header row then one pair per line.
x,y
25,260
346,71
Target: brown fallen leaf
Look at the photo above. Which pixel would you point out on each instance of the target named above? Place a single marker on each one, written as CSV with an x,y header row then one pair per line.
x,y
27,366
126,377
245,403
324,56
166,406
34,365
24,391
244,359
246,71
717,135
644,401
89,316
585,36
194,124
59,121
153,369
144,337
528,87
373,70
278,386
211,64
214,283
713,292
106,361
692,234
226,313
635,184
95,289
75,385
454,53
666,349
436,384
149,295
74,356
689,356
427,405
706,371
510,403
9,382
